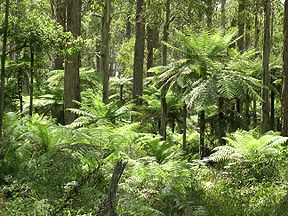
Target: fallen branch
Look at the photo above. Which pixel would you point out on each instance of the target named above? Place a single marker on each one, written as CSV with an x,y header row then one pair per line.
x,y
109,204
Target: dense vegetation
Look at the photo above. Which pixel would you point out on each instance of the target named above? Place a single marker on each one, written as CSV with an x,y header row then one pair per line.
x,y
163,107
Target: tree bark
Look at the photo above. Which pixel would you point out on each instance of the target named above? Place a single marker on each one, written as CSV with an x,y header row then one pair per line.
x,y
221,127
256,44
272,92
60,13
241,24
223,14
109,204
202,133
184,144
209,14
265,124
164,107
247,28
257,29
150,46
32,58
128,28
284,95
240,42
72,63
139,53
3,61
254,113
20,89
105,55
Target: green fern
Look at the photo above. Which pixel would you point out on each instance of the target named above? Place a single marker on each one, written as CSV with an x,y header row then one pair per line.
x,y
245,146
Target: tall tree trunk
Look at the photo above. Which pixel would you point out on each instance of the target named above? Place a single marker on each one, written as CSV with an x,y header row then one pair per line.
x,y
60,13
240,42
284,95
272,93
223,14
3,61
209,14
139,53
248,27
257,29
265,125
72,63
256,44
201,120
272,101
241,25
105,55
32,58
164,107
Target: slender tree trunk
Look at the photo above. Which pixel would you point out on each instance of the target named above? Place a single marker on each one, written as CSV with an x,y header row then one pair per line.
x,y
72,63
139,53
166,31
284,95
272,92
257,29
128,27
202,134
241,25
254,113
122,94
209,14
108,207
150,47
272,116
247,113
248,28
98,56
3,61
105,55
164,107
223,14
221,127
20,89
184,144
60,12
32,58
265,125
240,42
256,44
